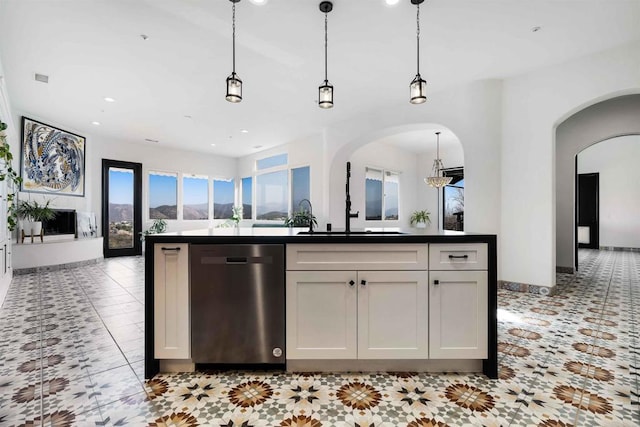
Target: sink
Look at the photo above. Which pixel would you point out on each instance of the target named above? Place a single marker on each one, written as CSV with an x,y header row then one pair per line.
x,y
344,233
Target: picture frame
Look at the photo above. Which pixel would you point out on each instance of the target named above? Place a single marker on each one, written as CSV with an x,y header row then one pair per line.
x,y
52,160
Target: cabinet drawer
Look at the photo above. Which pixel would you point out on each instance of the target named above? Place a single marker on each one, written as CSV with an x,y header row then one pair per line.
x,y
458,256
357,257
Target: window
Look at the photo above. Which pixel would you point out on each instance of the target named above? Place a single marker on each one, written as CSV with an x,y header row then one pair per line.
x,y
223,198
300,186
247,197
195,197
272,195
272,162
163,195
381,194
453,205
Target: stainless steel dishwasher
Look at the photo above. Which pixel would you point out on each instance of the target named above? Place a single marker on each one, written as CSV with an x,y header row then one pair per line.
x,y
237,304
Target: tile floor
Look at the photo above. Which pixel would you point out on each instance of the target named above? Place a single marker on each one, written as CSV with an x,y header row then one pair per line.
x,y
71,351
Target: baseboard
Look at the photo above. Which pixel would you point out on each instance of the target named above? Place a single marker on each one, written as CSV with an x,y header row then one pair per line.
x,y
57,267
527,288
566,270
618,248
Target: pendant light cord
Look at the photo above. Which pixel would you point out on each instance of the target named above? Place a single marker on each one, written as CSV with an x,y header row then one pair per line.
x,y
325,46
233,19
418,35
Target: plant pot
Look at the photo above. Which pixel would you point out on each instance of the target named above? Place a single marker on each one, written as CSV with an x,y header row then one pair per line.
x,y
421,225
36,228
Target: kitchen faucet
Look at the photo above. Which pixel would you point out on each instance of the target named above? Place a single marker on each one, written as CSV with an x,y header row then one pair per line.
x,y
349,215
310,213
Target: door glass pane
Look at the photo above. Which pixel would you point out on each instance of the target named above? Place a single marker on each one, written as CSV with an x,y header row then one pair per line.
x,y
163,195
373,194
272,195
391,186
247,195
120,208
223,196
195,197
300,186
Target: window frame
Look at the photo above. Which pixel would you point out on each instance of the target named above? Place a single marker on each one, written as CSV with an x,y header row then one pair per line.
x,y
383,206
178,193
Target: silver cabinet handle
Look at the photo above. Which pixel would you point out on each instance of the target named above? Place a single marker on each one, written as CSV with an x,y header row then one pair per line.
x,y
458,256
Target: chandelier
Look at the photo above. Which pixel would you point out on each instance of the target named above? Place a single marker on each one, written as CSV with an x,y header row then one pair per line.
x,y
325,91
418,87
437,178
234,84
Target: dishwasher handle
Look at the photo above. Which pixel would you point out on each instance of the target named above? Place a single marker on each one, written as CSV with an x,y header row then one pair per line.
x,y
237,260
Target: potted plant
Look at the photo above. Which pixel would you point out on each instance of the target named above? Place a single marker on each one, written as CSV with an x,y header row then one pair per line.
x,y
158,226
34,213
420,219
300,218
7,173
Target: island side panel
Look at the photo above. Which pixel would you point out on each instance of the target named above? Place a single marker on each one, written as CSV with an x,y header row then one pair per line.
x,y
151,364
490,365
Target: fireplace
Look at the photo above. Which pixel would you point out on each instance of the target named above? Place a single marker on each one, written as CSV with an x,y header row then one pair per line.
x,y
64,223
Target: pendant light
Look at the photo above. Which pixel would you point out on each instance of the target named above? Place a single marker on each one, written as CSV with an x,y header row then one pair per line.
x,y
234,84
325,91
418,87
437,178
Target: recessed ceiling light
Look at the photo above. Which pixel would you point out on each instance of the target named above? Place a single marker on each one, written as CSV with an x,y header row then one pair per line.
x,y
535,29
95,123
151,140
213,145
258,2
244,131
108,99
391,2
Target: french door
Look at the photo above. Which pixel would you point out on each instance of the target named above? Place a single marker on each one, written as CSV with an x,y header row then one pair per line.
x,y
121,208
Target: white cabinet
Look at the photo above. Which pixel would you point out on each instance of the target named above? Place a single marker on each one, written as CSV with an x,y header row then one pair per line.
x,y
171,301
357,311
321,315
458,302
392,315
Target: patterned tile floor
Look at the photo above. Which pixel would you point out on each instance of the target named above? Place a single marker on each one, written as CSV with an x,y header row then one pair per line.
x,y
71,351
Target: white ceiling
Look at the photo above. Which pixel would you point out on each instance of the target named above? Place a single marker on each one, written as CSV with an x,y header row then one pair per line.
x,y
92,49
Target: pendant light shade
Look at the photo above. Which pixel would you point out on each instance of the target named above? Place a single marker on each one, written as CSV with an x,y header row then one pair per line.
x,y
437,178
418,87
234,84
325,91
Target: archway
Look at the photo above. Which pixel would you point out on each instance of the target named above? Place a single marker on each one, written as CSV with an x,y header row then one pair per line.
x,y
599,122
408,150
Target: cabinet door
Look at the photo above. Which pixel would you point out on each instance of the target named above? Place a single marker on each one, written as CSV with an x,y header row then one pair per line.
x,y
321,315
458,314
172,330
392,315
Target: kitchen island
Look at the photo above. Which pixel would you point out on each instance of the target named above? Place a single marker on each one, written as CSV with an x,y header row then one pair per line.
x,y
377,300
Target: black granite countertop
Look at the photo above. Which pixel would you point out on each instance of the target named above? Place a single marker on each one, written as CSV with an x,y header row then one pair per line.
x,y
300,235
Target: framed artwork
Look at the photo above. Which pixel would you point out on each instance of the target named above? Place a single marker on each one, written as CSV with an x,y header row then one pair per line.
x,y
52,160
86,225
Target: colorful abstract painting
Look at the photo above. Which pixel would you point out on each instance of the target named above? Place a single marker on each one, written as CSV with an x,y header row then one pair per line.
x,y
52,160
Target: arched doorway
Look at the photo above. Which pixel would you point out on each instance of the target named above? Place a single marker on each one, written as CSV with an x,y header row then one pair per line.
x,y
599,122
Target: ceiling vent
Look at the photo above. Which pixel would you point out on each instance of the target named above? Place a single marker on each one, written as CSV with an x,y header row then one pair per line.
x,y
42,78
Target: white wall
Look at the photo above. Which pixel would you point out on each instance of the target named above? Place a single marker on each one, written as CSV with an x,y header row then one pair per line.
x,y
533,105
616,162
604,120
153,158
